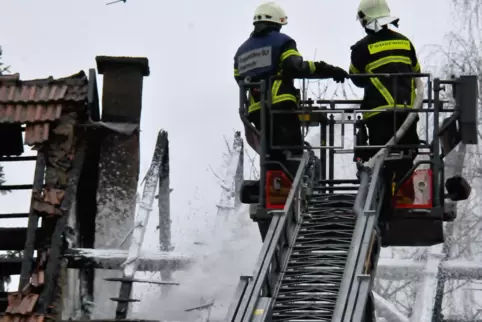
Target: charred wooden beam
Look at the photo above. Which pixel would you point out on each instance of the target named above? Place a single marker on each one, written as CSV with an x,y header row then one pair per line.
x,y
32,235
10,266
113,259
3,301
145,207
51,295
13,238
164,196
14,215
106,259
81,282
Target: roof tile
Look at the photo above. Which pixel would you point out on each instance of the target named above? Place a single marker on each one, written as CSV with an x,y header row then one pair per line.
x,y
39,100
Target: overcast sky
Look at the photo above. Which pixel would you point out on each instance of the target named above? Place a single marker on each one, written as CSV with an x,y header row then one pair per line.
x,y
190,45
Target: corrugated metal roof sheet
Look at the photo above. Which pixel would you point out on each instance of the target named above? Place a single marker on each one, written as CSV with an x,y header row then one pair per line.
x,y
39,102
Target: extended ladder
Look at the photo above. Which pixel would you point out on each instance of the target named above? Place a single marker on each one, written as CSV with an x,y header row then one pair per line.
x,y
299,241
313,275
317,262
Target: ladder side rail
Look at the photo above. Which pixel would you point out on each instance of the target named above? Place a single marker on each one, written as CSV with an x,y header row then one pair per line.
x,y
360,200
368,185
239,293
363,278
249,299
240,303
302,195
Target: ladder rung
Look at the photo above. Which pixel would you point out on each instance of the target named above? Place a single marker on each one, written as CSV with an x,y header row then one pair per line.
x,y
16,187
15,159
14,215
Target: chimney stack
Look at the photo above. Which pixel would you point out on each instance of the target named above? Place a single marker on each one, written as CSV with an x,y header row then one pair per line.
x,y
122,88
118,165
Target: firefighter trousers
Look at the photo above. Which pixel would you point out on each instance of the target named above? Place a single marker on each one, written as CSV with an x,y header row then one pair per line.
x,y
281,130
381,128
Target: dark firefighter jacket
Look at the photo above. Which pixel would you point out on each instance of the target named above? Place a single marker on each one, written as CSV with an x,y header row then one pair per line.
x,y
388,52
268,52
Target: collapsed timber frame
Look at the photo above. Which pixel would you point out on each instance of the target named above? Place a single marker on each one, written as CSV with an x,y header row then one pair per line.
x,y
86,207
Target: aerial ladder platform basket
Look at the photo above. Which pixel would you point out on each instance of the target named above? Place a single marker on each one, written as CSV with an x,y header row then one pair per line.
x,y
322,235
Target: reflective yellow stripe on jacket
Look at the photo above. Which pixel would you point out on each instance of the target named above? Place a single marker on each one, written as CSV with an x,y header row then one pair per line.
x,y
381,88
254,106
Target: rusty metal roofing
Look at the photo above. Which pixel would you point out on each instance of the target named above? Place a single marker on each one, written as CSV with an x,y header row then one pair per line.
x,y
36,103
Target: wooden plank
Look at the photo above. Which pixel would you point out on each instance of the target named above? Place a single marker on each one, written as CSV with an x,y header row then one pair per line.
x,y
114,258
13,238
10,266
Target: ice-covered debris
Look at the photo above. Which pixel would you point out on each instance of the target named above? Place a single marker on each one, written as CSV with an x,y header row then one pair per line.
x,y
113,258
389,310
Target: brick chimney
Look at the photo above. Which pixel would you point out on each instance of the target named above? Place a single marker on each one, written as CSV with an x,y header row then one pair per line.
x,y
122,88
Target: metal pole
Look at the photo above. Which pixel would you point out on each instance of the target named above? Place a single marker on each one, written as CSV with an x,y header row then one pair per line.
x,y
437,168
331,144
264,145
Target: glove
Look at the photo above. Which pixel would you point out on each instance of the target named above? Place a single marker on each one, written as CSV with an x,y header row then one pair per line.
x,y
339,74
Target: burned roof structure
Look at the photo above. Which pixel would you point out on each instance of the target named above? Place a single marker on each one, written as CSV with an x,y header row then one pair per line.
x,y
38,104
77,192
48,111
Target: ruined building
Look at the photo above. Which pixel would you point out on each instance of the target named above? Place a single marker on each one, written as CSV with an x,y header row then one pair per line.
x,y
83,191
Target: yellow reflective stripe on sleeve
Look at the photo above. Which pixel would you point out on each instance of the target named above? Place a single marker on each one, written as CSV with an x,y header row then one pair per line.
x,y
353,69
254,106
312,67
278,99
288,53
236,73
382,89
416,68
388,45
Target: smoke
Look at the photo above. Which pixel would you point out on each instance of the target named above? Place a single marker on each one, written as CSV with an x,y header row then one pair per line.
x,y
223,251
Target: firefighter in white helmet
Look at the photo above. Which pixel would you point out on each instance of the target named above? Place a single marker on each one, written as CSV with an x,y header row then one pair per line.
x,y
385,51
268,52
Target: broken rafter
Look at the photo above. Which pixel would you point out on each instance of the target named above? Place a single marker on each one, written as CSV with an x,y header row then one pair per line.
x,y
132,262
389,311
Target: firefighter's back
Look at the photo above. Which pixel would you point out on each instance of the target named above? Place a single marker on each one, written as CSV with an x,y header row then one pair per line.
x,y
387,52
